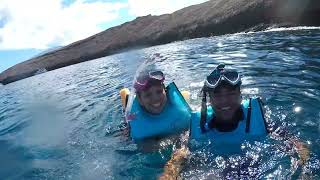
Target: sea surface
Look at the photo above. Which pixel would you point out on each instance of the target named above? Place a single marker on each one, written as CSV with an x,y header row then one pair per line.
x,y
66,123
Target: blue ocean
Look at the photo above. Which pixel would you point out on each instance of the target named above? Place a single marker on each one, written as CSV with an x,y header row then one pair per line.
x,y
67,123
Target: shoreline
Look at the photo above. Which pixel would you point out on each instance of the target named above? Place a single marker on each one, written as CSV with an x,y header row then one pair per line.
x,y
212,18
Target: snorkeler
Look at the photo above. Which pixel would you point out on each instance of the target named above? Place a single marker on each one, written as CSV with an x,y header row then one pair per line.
x,y
156,111
227,120
150,91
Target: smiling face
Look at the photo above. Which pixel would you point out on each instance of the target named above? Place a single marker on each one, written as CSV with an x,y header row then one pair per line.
x,y
226,101
153,99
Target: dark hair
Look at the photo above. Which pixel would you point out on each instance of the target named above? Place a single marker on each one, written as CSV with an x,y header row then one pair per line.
x,y
203,115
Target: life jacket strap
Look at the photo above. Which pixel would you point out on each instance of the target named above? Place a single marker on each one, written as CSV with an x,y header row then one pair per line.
x,y
127,98
203,116
262,113
248,117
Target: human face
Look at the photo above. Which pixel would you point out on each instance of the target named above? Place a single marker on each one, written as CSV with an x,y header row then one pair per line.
x,y
141,83
153,99
226,102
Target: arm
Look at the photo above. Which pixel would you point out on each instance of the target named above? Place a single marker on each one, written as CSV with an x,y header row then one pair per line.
x,y
303,151
282,134
300,147
175,164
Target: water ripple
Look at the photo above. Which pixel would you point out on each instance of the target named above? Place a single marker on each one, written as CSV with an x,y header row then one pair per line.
x,y
66,123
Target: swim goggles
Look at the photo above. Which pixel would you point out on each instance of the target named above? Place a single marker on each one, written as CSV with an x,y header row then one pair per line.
x,y
142,82
220,74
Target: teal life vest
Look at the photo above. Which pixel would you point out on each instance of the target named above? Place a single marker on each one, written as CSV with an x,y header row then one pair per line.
x,y
252,126
174,118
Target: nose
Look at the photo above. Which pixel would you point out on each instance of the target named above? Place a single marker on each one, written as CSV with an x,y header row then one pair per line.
x,y
155,98
223,99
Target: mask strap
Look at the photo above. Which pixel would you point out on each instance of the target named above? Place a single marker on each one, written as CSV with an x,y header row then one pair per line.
x,y
248,117
203,118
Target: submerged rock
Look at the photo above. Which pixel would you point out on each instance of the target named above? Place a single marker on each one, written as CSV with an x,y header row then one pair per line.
x,y
215,17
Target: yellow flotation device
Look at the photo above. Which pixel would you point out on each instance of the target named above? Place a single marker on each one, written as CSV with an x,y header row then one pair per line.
x,y
124,94
186,95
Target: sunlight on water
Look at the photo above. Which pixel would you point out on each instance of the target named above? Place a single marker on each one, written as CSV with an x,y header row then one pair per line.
x,y
241,55
297,109
251,91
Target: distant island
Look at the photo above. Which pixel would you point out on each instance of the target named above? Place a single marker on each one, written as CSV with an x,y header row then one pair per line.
x,y
215,17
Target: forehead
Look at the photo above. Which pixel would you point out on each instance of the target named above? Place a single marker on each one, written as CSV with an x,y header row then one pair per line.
x,y
154,87
223,89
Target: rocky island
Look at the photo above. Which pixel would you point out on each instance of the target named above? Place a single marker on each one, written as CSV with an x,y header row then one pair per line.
x,y
215,17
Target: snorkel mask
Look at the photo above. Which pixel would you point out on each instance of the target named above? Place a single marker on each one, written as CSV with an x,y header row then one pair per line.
x,y
143,81
220,74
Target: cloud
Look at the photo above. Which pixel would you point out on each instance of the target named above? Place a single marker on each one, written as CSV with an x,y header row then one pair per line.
x,y
145,7
40,24
4,17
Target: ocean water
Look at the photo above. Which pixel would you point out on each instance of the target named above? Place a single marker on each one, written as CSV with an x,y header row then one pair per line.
x,y
66,123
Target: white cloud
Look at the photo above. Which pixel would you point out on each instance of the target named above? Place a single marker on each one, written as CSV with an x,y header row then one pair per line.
x,y
43,23
145,7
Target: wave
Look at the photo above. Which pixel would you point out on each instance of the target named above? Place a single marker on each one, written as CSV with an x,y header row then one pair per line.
x,y
278,29
292,28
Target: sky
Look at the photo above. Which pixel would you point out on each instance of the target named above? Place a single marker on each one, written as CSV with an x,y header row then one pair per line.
x,y
28,27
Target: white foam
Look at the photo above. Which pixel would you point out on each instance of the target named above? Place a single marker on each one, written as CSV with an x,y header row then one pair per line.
x,y
292,28
275,30
251,91
196,84
238,55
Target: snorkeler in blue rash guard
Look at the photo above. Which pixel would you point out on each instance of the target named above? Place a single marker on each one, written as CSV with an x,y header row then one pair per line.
x,y
226,120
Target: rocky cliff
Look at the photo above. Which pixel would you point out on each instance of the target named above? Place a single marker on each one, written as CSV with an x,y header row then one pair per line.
x,y
215,17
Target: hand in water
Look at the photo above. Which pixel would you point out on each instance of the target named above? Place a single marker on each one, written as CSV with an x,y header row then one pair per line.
x,y
302,150
174,166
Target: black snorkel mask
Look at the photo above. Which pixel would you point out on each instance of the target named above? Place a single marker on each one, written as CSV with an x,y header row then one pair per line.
x,y
220,74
